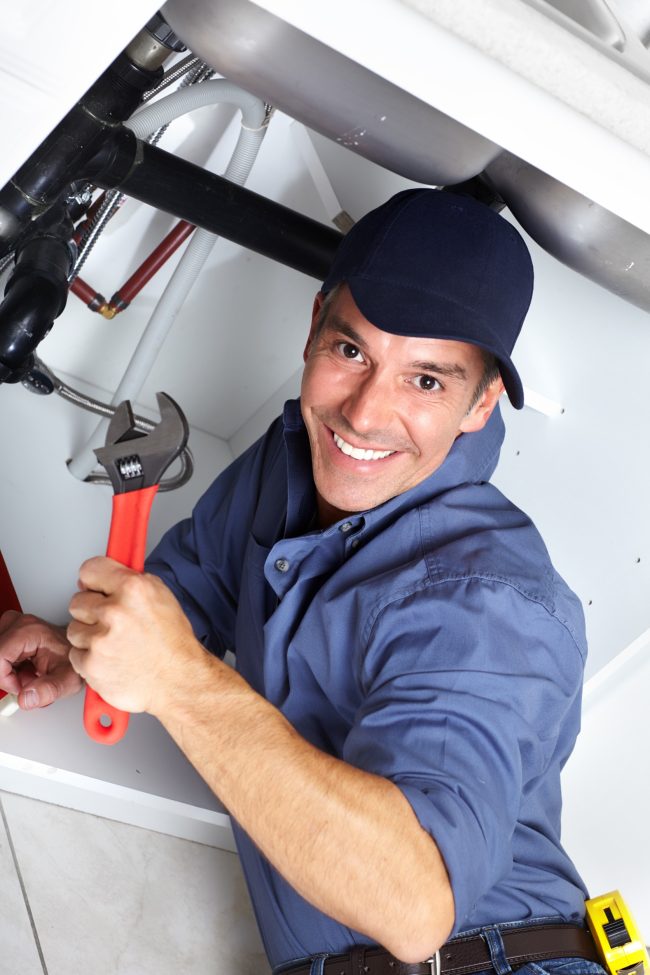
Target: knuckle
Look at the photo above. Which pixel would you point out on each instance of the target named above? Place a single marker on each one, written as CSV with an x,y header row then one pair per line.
x,y
28,619
110,615
135,583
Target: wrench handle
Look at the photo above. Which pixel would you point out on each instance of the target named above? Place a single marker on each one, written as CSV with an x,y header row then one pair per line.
x,y
126,544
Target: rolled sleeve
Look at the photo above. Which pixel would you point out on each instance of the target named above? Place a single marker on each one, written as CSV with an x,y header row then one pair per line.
x,y
467,688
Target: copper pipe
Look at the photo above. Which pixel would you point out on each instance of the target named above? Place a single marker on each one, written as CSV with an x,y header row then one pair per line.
x,y
93,299
125,295
150,266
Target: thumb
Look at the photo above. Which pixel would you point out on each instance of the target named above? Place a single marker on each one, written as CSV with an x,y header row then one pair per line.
x,y
60,682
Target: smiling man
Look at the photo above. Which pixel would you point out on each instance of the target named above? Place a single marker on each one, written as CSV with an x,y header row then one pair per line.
x,y
409,663
382,411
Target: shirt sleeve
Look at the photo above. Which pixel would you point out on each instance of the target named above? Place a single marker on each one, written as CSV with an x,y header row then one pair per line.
x,y
201,558
468,685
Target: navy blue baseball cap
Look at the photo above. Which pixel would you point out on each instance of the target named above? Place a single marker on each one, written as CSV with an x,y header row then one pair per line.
x,y
433,264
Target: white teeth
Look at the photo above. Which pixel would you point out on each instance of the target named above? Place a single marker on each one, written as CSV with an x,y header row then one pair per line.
x,y
357,453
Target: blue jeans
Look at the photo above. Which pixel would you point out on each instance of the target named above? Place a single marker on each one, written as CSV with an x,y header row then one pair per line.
x,y
553,966
492,935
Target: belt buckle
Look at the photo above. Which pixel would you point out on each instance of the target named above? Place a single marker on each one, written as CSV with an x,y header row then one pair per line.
x,y
434,963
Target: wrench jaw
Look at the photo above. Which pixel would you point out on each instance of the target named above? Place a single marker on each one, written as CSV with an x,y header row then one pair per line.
x,y
136,460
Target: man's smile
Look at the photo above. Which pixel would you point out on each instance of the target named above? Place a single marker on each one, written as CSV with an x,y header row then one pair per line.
x,y
359,453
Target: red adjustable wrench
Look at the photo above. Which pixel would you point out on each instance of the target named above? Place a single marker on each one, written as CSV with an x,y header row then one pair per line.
x,y
135,462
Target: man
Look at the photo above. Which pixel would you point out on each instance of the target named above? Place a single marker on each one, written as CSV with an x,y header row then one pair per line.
x,y
408,662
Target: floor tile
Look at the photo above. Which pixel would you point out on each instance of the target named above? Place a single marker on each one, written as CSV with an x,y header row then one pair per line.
x,y
18,951
118,900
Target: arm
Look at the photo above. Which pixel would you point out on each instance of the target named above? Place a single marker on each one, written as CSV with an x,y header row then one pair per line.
x,y
346,839
467,688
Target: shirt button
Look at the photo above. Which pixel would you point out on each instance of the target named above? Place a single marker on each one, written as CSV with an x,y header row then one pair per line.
x,y
354,544
346,527
282,565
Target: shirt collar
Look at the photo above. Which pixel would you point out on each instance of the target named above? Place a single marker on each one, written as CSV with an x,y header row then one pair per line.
x,y
472,459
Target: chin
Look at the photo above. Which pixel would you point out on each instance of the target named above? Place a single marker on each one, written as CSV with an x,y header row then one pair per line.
x,y
353,502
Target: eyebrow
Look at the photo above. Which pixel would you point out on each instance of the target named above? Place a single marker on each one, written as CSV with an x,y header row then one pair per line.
x,y
334,323
451,370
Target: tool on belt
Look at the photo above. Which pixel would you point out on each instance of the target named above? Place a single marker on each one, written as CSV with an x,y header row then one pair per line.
x,y
617,937
135,462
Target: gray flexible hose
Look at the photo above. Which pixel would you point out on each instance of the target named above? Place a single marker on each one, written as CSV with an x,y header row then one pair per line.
x,y
107,410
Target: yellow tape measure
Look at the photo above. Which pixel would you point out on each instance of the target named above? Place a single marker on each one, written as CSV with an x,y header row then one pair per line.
x,y
617,937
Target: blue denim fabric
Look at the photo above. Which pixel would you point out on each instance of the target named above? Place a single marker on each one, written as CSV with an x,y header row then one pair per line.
x,y
317,964
555,966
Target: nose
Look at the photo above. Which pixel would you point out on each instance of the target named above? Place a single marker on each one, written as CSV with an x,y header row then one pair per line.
x,y
368,408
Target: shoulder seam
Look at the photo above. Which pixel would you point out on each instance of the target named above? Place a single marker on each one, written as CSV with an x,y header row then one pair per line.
x,y
428,583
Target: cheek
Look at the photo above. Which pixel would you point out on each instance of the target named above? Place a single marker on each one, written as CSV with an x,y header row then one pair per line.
x,y
321,381
434,433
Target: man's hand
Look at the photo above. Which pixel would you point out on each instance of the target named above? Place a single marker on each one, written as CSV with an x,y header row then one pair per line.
x,y
34,662
129,636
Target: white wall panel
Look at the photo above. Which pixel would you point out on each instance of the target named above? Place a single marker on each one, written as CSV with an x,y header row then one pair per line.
x,y
606,785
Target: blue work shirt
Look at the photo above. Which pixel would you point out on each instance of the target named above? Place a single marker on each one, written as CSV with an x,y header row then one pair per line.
x,y
428,640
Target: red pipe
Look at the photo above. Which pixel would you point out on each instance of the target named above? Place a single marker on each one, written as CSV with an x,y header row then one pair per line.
x,y
88,295
125,295
8,597
150,266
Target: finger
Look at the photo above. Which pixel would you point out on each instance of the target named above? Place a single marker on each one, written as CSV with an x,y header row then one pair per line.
x,y
9,680
78,661
7,618
26,673
80,635
85,606
102,574
61,682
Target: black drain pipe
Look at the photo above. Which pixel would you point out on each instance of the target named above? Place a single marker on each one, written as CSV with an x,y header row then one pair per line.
x,y
35,294
60,160
187,191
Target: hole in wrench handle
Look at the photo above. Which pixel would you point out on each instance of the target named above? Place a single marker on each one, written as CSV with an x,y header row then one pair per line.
x,y
95,707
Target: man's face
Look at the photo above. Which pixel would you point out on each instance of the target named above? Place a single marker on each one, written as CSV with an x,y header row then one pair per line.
x,y
382,411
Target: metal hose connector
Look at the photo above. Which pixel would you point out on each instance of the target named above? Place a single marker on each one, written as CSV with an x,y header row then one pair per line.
x,y
173,74
93,405
110,205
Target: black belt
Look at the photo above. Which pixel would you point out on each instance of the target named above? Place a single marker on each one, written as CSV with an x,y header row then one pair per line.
x,y
462,956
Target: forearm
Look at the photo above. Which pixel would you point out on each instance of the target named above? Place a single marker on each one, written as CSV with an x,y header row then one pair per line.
x,y
346,840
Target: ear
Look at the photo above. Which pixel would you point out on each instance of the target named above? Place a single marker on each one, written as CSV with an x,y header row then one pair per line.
x,y
315,315
482,411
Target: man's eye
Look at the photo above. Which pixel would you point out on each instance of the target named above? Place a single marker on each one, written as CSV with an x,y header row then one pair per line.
x,y
426,383
348,350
